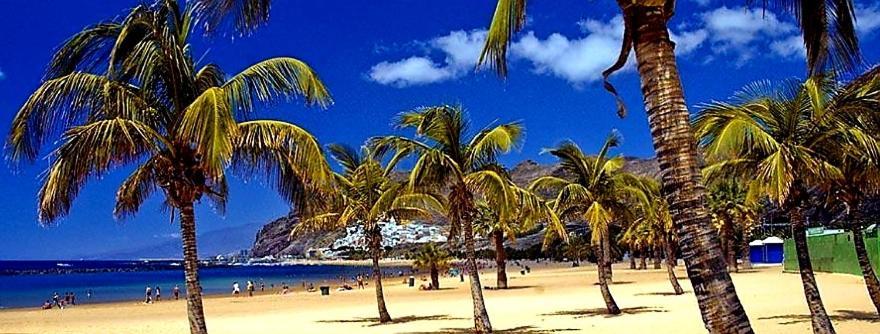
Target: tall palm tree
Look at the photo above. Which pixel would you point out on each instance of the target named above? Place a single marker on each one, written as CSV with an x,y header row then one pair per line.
x,y
829,37
598,195
528,210
435,260
725,198
128,92
367,197
463,165
781,139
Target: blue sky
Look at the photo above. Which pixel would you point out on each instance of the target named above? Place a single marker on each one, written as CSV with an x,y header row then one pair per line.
x,y
385,56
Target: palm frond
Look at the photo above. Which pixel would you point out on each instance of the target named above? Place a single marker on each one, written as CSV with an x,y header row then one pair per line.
x,y
273,79
509,18
208,125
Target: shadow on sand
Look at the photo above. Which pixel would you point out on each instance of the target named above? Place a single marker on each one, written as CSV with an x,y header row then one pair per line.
x,y
516,287
661,293
841,316
399,320
516,330
617,283
601,311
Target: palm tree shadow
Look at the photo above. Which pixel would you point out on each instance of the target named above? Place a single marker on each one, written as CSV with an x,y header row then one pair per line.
x,y
601,311
660,294
841,316
617,283
517,287
372,321
515,330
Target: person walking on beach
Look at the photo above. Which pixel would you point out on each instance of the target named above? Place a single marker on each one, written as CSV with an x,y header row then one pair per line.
x,y
148,295
262,286
250,288
158,294
236,290
360,280
176,292
56,300
72,298
89,294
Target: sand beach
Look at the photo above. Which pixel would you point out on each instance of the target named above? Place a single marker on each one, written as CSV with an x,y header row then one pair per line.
x,y
551,299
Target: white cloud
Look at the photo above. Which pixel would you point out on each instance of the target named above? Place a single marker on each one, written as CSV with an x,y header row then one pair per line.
x,y
867,19
461,50
791,47
746,33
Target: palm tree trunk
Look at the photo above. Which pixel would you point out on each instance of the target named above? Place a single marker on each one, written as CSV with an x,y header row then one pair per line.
x,y
632,260
867,270
610,304
670,269
462,201
500,259
606,256
194,309
746,250
821,322
643,262
680,169
658,257
731,251
435,276
375,254
481,316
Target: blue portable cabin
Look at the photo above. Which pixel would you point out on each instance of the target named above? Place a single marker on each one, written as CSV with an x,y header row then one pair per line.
x,y
756,251
773,250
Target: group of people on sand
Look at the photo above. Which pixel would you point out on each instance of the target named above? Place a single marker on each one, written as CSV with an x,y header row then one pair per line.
x,y
250,287
149,294
69,299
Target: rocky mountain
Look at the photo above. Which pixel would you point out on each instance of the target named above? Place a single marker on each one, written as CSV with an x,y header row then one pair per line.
x,y
273,238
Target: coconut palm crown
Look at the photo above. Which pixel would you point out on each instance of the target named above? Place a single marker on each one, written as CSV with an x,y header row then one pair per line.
x,y
128,93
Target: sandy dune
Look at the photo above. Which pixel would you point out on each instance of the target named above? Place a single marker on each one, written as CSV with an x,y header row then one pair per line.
x,y
549,300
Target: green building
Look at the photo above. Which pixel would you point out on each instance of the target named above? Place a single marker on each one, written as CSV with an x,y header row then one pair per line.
x,y
833,251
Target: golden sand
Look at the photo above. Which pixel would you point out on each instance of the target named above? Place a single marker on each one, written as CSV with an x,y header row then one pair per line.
x,y
549,300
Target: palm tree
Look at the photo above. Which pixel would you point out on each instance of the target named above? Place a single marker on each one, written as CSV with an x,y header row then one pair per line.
x,y
829,37
782,140
435,260
529,210
368,196
725,198
858,162
465,166
598,195
654,227
144,102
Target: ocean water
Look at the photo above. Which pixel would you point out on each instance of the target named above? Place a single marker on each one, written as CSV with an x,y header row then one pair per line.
x,y
21,284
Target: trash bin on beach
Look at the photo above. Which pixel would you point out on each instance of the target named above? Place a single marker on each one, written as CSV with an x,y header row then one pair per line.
x,y
412,281
325,290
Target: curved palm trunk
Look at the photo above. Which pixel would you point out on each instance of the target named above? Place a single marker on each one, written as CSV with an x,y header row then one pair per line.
x,y
500,259
610,304
677,154
821,322
871,281
643,263
461,202
376,254
670,269
606,256
435,276
194,309
481,316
